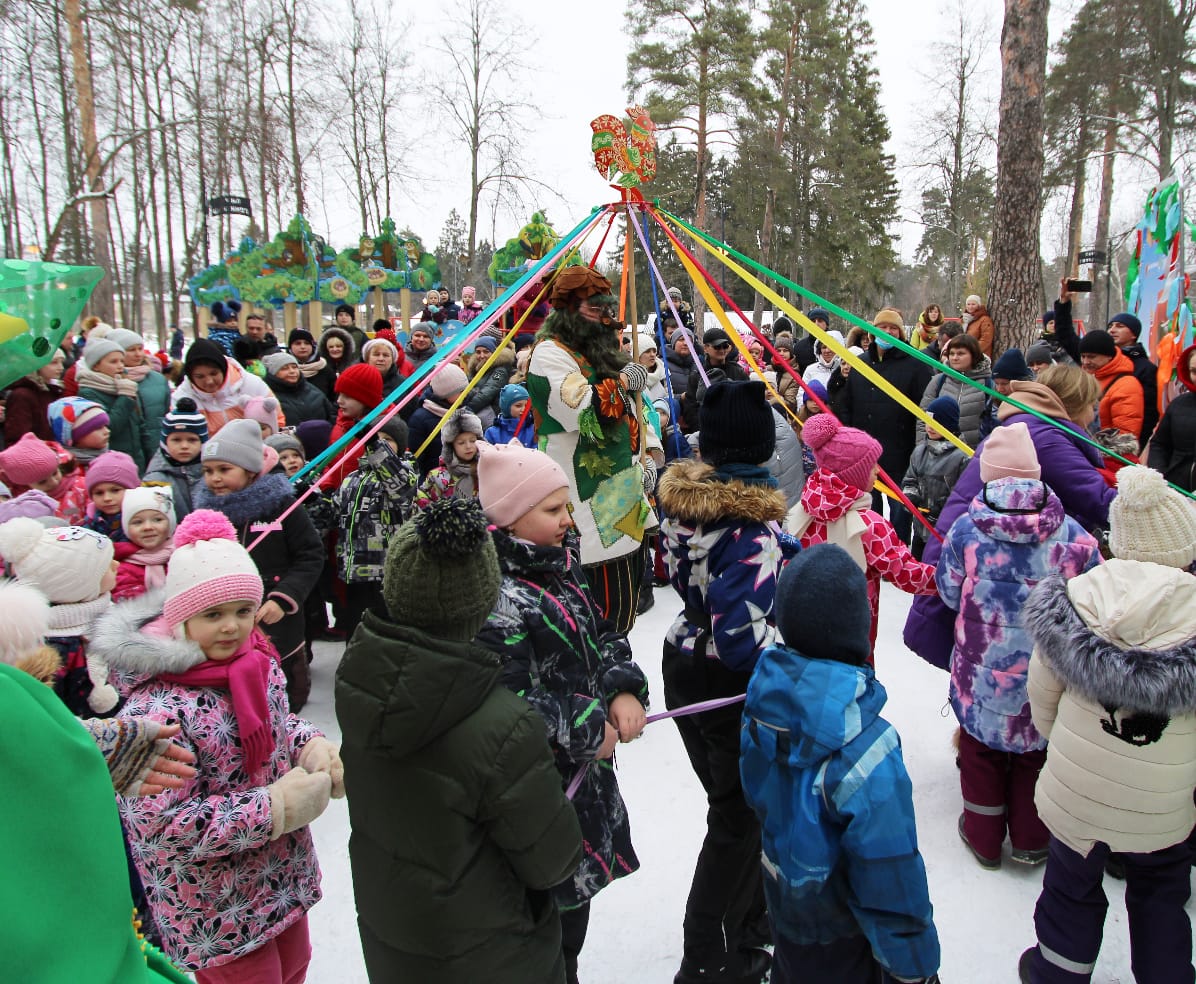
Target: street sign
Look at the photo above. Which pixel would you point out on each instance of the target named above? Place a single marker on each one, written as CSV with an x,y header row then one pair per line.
x,y
1092,257
230,205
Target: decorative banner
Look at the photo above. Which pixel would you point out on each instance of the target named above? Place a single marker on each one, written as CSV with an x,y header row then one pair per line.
x,y
230,205
39,303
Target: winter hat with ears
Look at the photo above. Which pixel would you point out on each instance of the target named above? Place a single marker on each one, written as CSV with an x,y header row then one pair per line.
x,y
115,467
66,563
72,418
513,479
1009,452
29,460
208,567
26,621
441,573
147,498
462,421
263,410
93,351
448,382
361,382
849,453
1150,521
239,442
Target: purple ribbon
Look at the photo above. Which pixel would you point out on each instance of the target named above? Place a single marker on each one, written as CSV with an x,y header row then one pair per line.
x,y
676,712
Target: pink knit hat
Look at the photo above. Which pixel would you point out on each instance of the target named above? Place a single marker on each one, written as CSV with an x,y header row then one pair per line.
x,y
849,453
29,460
115,467
512,479
1009,453
448,382
264,411
208,567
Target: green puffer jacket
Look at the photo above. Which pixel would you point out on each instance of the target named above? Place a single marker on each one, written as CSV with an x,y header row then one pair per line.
x,y
459,825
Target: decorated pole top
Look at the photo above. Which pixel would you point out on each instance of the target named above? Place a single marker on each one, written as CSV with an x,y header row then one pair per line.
x,y
625,150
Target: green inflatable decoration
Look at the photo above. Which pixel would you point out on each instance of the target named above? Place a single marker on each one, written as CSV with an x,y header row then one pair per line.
x,y
39,303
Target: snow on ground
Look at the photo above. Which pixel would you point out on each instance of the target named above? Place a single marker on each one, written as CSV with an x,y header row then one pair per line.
x,y
984,918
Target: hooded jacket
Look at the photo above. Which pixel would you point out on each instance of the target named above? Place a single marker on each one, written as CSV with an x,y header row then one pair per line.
x,y
218,885
1013,535
228,402
1113,687
564,659
460,827
1122,404
933,471
1147,373
484,396
350,356
1173,447
182,479
723,560
823,771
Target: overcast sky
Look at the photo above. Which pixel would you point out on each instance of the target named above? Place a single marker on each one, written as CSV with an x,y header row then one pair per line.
x,y
583,74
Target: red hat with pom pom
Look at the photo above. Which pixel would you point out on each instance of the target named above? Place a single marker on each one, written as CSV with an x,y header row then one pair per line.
x,y
208,567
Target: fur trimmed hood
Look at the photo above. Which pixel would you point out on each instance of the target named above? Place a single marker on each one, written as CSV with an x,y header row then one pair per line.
x,y
1094,631
120,639
691,491
264,498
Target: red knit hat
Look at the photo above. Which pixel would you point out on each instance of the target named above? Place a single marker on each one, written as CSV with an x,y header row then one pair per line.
x,y
849,453
361,382
29,460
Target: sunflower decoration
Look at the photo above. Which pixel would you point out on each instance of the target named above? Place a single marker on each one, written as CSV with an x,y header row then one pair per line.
x,y
611,402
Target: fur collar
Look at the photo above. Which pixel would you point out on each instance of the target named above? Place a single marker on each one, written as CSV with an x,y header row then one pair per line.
x,y
121,641
264,498
690,491
1161,682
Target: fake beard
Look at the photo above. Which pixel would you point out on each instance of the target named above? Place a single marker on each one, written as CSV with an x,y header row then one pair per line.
x,y
596,342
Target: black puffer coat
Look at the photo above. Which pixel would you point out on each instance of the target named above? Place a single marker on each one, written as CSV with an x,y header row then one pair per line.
x,y
459,824
301,401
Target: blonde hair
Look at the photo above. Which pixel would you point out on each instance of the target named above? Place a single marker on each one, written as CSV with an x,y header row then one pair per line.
x,y
1076,389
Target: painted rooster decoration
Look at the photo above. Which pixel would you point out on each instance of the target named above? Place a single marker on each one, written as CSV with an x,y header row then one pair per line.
x,y
625,150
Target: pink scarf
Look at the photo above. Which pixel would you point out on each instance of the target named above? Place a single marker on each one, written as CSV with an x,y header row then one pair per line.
x,y
154,562
138,373
245,675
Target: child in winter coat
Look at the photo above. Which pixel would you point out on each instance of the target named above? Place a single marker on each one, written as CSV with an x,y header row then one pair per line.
x,y
358,391
561,656
1111,688
456,476
512,402
934,467
461,800
1013,535
723,558
834,508
370,506
75,569
147,518
240,481
108,479
176,462
228,862
846,885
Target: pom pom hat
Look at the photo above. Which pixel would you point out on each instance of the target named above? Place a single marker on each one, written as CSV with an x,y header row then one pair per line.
x,y
1009,453
26,620
208,568
1150,521
442,572
849,453
147,498
29,460
184,418
512,479
66,563
263,410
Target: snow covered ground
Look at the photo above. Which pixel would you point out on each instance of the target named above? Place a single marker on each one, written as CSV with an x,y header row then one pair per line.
x,y
984,918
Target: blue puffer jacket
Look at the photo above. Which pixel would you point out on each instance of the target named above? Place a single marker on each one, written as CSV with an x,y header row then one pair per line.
x,y
502,431
824,773
1013,535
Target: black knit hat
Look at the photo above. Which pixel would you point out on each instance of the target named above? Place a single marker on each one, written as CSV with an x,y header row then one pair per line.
x,y
396,429
204,351
822,606
1098,342
736,424
442,573
301,335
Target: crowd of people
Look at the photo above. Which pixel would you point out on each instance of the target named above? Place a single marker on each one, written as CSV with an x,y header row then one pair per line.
x,y
484,554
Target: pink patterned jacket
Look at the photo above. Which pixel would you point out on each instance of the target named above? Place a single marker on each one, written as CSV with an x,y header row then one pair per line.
x,y
219,887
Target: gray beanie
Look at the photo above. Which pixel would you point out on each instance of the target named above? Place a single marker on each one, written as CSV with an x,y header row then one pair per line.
x,y
96,349
239,442
277,360
1037,353
285,442
124,338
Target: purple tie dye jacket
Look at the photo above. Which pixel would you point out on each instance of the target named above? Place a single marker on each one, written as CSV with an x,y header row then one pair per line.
x,y
1013,535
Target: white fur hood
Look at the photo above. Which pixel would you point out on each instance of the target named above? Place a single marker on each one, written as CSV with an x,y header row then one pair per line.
x,y
121,641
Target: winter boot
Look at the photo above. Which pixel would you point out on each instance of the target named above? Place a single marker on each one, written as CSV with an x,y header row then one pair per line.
x,y
990,864
744,967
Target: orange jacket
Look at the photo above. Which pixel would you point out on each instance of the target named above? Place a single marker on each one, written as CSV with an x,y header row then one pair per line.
x,y
1121,402
982,329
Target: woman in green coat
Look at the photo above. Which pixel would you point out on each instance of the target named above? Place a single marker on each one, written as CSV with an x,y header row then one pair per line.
x,y
460,828
153,391
103,380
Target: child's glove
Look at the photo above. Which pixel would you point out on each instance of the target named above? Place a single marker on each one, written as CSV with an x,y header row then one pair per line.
x,y
297,799
790,545
649,476
103,697
320,755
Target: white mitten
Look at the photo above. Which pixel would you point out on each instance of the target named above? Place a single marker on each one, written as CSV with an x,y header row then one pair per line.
x,y
103,697
320,755
297,799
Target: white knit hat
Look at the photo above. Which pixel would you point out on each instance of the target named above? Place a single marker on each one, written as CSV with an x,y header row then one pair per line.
x,y
155,498
1151,521
208,567
65,563
26,620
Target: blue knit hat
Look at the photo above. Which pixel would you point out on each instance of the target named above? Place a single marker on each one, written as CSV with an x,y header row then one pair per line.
x,y
821,580
1012,365
510,394
945,412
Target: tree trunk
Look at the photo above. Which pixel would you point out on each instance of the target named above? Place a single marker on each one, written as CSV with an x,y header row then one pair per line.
x,y
1100,297
1015,281
101,298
